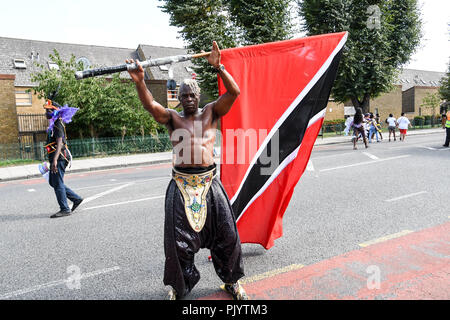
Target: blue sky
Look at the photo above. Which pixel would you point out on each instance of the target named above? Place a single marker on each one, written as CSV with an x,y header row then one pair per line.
x,y
126,24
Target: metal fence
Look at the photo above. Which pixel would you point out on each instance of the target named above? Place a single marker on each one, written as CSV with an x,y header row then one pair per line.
x,y
96,147
90,147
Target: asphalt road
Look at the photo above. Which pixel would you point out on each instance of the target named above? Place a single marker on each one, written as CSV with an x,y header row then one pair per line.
x,y
112,247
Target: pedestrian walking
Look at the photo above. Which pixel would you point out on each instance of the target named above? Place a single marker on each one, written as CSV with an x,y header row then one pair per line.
x,y
403,125
348,122
59,156
366,125
377,118
447,129
392,124
358,128
373,128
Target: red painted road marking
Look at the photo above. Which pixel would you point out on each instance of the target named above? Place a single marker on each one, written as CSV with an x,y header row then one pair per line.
x,y
415,266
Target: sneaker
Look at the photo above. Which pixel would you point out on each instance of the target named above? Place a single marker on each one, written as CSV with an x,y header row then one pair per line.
x,y
235,290
172,295
445,145
76,204
60,214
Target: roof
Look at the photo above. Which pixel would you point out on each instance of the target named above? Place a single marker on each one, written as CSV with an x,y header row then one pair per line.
x,y
98,56
179,69
409,78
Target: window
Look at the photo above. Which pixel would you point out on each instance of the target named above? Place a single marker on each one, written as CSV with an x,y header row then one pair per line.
x,y
53,66
19,64
23,98
172,95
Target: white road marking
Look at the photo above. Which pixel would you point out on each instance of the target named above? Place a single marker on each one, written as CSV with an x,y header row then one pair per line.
x,y
56,283
119,183
429,148
371,156
101,194
31,190
406,196
124,202
385,238
112,179
364,163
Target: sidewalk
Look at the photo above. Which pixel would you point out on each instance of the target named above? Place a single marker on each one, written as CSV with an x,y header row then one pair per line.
x,y
92,164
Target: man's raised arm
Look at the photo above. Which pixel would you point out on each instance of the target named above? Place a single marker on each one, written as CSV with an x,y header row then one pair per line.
x,y
225,101
161,114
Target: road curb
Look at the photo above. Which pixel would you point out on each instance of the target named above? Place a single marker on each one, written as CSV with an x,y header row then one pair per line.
x,y
107,167
152,162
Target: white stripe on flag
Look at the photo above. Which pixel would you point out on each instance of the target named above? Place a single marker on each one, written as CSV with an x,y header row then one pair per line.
x,y
291,108
283,165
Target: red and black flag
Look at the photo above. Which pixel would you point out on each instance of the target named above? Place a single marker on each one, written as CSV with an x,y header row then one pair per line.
x,y
268,135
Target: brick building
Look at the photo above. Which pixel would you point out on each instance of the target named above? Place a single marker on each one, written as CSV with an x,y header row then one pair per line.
x,y
18,59
406,96
8,112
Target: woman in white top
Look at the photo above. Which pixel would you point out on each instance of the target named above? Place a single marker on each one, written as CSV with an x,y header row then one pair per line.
x,y
392,123
403,125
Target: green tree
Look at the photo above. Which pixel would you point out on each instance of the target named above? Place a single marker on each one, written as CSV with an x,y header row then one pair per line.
x,y
383,35
261,21
431,101
106,106
444,90
230,23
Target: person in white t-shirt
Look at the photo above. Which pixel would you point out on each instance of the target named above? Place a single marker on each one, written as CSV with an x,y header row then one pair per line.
x,y
403,125
392,124
348,122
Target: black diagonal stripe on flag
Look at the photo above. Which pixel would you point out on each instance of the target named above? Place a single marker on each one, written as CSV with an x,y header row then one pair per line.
x,y
285,88
290,136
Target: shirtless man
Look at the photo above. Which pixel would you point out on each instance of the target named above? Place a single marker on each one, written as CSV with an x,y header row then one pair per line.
x,y
198,213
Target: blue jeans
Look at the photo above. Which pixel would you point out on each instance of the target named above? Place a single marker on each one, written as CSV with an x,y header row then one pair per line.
x,y
56,180
371,131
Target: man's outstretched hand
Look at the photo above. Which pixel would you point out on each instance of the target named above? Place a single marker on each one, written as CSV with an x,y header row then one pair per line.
x,y
214,57
137,74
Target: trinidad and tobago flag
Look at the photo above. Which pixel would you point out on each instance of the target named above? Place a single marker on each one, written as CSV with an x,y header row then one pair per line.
x,y
268,135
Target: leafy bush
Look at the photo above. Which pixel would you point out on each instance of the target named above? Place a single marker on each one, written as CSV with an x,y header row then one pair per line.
x,y
419,120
